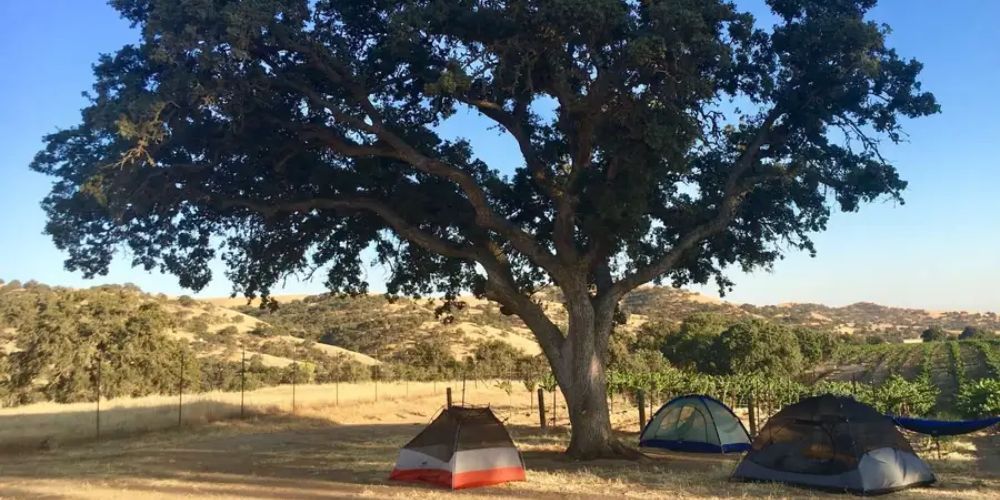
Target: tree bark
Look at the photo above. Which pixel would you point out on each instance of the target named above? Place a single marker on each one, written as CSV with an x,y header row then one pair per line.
x,y
582,377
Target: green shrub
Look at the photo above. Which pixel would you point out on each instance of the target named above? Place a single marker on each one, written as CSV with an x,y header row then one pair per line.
x,y
229,331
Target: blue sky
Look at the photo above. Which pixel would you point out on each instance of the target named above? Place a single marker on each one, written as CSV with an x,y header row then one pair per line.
x,y
939,250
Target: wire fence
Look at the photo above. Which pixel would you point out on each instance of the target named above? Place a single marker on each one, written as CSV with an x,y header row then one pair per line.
x,y
197,395
201,394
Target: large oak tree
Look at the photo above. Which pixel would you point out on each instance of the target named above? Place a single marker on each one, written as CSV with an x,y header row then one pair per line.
x,y
658,140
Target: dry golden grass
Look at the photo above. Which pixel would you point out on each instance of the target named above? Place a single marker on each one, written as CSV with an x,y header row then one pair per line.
x,y
347,450
44,425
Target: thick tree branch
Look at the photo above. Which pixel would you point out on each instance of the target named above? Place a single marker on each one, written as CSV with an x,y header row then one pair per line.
x,y
403,228
486,217
735,189
513,123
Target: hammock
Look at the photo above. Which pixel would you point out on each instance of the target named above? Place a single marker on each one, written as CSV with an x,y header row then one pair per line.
x,y
944,427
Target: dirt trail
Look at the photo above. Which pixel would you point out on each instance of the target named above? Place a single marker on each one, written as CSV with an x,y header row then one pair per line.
x,y
942,376
975,362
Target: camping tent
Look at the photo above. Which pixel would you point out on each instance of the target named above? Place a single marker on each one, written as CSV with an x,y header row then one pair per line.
x,y
462,448
695,423
834,443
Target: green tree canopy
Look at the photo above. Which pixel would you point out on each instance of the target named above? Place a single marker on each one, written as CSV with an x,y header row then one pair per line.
x,y
659,141
815,345
693,345
758,347
974,332
934,334
71,331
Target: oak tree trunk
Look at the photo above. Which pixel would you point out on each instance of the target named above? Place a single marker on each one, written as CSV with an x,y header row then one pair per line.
x,y
582,377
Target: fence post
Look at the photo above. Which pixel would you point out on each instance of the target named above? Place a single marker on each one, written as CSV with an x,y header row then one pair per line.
x,y
554,407
336,386
752,415
295,375
447,395
652,398
180,393
463,388
98,395
541,408
641,399
243,377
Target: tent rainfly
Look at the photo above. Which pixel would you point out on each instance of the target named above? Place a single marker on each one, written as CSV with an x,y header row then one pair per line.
x,y
462,448
834,443
695,423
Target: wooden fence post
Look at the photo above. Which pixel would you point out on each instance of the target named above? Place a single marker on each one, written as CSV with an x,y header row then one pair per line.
x,y
98,395
447,394
641,400
555,400
180,392
295,375
541,407
243,378
752,415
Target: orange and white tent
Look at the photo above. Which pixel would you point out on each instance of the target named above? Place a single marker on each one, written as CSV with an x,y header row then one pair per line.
x,y
461,448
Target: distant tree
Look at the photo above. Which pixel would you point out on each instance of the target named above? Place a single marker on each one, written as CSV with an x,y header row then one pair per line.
x,y
934,334
186,301
758,347
430,359
651,335
531,370
815,345
296,134
974,332
495,359
693,344
72,331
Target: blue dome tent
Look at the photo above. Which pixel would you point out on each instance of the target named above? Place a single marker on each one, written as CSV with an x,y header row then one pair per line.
x,y
695,423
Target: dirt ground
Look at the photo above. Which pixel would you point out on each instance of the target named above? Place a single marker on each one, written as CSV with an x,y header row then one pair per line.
x,y
347,451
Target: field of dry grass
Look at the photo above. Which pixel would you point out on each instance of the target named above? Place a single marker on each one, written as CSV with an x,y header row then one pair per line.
x,y
346,451
47,425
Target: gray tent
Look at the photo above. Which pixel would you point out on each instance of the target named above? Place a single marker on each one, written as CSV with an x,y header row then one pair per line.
x,y
834,443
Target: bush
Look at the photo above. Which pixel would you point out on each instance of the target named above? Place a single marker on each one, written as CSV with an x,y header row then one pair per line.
x,y
198,326
186,301
264,330
898,396
229,331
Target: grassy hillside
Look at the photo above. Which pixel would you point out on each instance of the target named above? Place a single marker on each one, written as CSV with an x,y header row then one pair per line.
x,y
53,340
862,318
376,326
